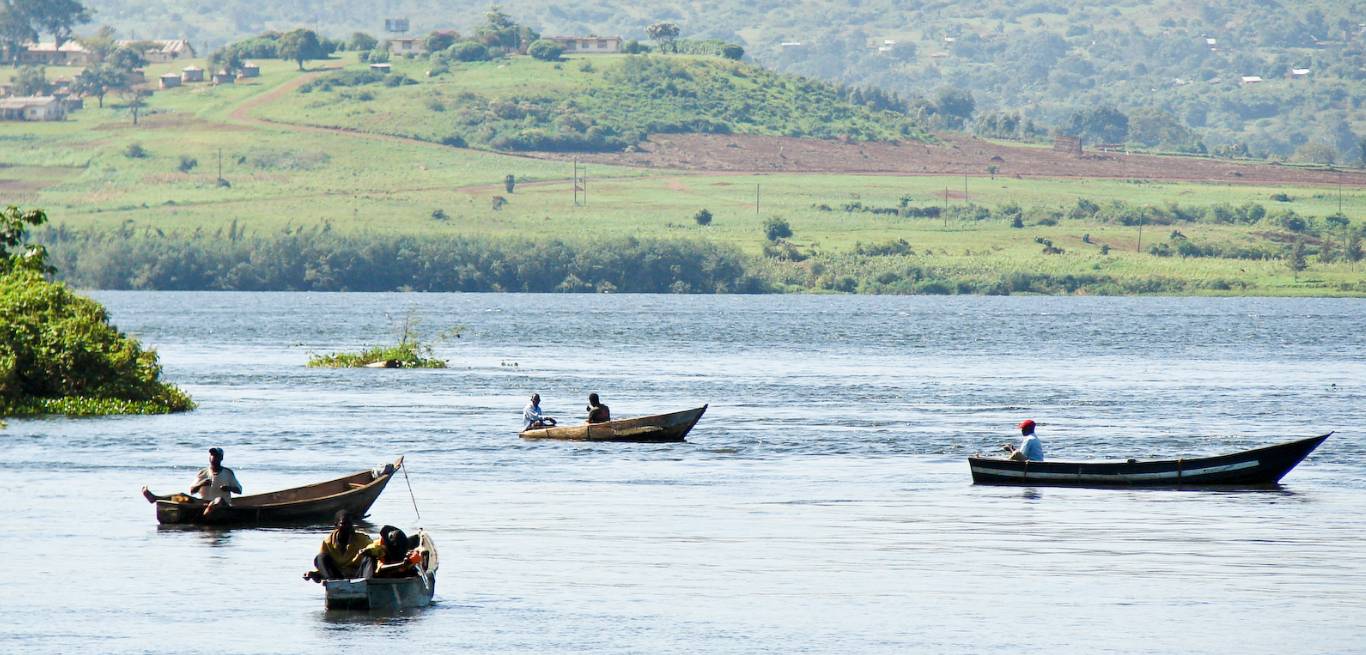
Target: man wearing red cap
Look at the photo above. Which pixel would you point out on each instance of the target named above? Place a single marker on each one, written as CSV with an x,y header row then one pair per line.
x,y
1031,449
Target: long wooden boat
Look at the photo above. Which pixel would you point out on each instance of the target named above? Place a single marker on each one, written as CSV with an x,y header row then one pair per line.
x,y
1249,468
319,502
645,429
388,594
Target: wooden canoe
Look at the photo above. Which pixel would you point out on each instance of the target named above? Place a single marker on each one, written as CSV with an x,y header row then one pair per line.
x,y
1250,468
319,502
645,429
388,594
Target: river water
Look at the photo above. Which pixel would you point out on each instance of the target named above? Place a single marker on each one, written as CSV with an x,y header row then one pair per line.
x,y
822,505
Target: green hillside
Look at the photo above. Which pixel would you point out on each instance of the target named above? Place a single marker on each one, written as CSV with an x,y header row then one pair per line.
x,y
601,103
1041,60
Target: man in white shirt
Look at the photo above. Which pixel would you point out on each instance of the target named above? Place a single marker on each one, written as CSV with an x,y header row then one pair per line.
x,y
1031,449
216,483
532,416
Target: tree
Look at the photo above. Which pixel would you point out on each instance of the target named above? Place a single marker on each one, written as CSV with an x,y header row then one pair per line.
x,y
16,253
1102,124
438,41
136,99
510,182
101,44
501,31
955,106
57,17
1354,251
1298,261
99,80
299,46
362,42
703,217
545,50
665,34
16,28
776,228
31,81
732,51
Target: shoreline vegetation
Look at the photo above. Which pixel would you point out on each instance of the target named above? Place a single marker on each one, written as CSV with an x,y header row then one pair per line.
x,y
1094,248
413,350
59,354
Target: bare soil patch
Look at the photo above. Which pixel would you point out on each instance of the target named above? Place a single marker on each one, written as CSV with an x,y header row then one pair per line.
x,y
955,155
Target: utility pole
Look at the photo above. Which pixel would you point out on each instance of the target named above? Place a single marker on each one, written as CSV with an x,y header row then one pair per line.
x,y
965,188
220,164
756,200
1139,247
1339,193
576,182
946,208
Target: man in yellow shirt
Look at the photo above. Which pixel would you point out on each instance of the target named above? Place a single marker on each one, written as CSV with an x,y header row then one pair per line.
x,y
341,555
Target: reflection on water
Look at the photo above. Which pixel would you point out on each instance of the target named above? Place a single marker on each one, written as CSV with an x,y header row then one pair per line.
x,y
824,504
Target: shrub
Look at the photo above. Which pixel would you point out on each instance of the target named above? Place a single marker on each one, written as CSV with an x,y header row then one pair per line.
x,y
1282,197
398,79
545,50
135,151
187,163
439,215
702,217
586,66
776,228
732,51
58,351
468,51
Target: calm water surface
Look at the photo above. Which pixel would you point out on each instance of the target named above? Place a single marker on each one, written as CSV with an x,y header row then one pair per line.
x,y
823,504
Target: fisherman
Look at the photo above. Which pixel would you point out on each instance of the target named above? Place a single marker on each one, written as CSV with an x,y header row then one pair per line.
x,y
1031,449
390,556
342,553
215,484
597,412
532,416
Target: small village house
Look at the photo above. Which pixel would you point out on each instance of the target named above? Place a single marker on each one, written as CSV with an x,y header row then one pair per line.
x,y
408,45
32,108
380,68
588,45
249,69
224,77
160,51
48,53
1298,73
1251,79
169,80
190,74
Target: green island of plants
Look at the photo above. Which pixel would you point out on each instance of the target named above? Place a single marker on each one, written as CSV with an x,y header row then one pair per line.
x,y
413,350
58,352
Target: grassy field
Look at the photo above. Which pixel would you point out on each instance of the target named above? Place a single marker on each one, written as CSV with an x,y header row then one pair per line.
x,y
281,175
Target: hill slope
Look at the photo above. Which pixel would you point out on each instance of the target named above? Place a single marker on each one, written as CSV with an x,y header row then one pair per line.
x,y
601,103
1045,59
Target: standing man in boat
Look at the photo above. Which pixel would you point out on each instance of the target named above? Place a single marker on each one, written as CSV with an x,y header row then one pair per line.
x,y
532,416
597,412
342,552
215,483
1031,449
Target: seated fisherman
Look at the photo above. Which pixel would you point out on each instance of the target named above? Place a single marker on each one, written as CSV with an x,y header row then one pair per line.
x,y
391,556
597,412
342,553
1031,449
532,416
215,484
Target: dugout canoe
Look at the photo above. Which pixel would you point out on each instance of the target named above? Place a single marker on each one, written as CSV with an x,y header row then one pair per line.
x,y
660,428
319,502
388,594
1259,467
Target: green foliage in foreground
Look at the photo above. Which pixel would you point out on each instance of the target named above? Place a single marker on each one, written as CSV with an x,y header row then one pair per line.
x,y
59,354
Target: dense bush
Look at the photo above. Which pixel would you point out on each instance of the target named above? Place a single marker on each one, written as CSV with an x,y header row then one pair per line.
x,y
467,51
545,50
320,260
